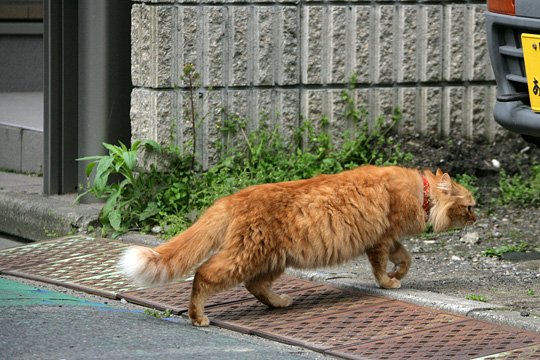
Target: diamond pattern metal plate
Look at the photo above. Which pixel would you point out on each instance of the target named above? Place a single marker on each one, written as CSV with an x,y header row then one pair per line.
x,y
308,303
176,297
464,340
40,252
359,324
80,263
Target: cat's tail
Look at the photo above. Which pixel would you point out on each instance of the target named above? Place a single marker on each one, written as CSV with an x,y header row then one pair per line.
x,y
179,255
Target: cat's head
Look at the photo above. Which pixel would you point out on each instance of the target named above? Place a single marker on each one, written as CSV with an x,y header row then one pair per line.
x,y
451,203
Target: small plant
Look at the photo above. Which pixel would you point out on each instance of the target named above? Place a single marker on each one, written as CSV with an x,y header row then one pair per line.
x,y
476,297
520,191
499,251
531,292
158,314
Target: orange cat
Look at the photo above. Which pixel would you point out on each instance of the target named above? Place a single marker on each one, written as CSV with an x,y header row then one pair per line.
x,y
253,235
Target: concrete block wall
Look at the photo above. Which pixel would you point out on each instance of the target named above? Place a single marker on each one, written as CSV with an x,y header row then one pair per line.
x,y
287,61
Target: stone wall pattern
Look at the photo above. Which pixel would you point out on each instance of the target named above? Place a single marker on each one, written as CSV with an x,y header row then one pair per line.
x,y
286,61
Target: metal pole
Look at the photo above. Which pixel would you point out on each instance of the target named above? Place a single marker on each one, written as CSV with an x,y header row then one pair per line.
x,y
104,76
60,96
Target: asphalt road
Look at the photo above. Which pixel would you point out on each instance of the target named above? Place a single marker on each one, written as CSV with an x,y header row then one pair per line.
x,y
39,321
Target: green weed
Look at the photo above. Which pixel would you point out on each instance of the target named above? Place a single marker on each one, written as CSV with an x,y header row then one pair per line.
x,y
520,191
531,292
499,251
158,314
476,297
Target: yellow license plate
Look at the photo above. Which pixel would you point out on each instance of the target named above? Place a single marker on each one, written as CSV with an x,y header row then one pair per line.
x,y
531,54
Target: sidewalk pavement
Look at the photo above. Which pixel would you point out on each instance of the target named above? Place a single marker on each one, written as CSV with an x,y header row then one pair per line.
x,y
28,214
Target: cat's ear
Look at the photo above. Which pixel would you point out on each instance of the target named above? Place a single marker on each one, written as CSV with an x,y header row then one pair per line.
x,y
445,183
439,172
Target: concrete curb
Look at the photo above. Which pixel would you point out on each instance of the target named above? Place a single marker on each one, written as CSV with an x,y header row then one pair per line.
x,y
36,217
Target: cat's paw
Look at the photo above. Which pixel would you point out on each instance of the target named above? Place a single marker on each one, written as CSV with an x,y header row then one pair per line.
x,y
391,283
396,275
284,301
201,321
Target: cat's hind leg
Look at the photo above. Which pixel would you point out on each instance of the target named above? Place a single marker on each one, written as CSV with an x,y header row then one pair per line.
x,y
261,287
401,259
378,257
215,275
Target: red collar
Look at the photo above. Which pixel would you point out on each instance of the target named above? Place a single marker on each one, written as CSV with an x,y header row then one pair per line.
x,y
425,203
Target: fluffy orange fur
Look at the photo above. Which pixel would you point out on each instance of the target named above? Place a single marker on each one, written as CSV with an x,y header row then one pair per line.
x,y
252,236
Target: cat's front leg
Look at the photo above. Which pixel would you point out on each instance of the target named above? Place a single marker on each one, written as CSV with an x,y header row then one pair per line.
x,y
378,257
402,260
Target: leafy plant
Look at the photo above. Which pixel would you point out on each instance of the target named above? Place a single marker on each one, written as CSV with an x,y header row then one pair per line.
x,y
531,292
476,297
126,200
158,314
499,251
520,191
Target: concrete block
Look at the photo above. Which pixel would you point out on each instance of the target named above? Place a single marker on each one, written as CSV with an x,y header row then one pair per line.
x,y
240,46
140,45
406,102
265,45
288,70
479,119
191,37
407,54
433,103
363,43
32,151
340,52
11,142
454,100
316,39
152,59
431,46
386,44
288,119
217,45
482,65
163,53
455,47
339,123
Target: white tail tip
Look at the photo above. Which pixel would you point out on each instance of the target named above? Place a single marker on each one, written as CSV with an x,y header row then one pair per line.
x,y
143,265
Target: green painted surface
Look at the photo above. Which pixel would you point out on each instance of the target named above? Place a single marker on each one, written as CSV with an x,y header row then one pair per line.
x,y
13,293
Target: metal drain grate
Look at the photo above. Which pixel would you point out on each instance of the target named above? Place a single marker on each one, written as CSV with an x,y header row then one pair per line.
x,y
37,253
362,324
314,302
527,353
88,266
176,296
464,340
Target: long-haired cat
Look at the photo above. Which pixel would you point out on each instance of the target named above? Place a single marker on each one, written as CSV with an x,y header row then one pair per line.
x,y
253,235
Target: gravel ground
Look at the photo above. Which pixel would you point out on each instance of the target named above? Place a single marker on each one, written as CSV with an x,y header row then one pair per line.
x,y
453,263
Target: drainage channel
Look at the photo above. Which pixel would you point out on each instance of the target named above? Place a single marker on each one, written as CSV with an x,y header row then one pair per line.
x,y
338,322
